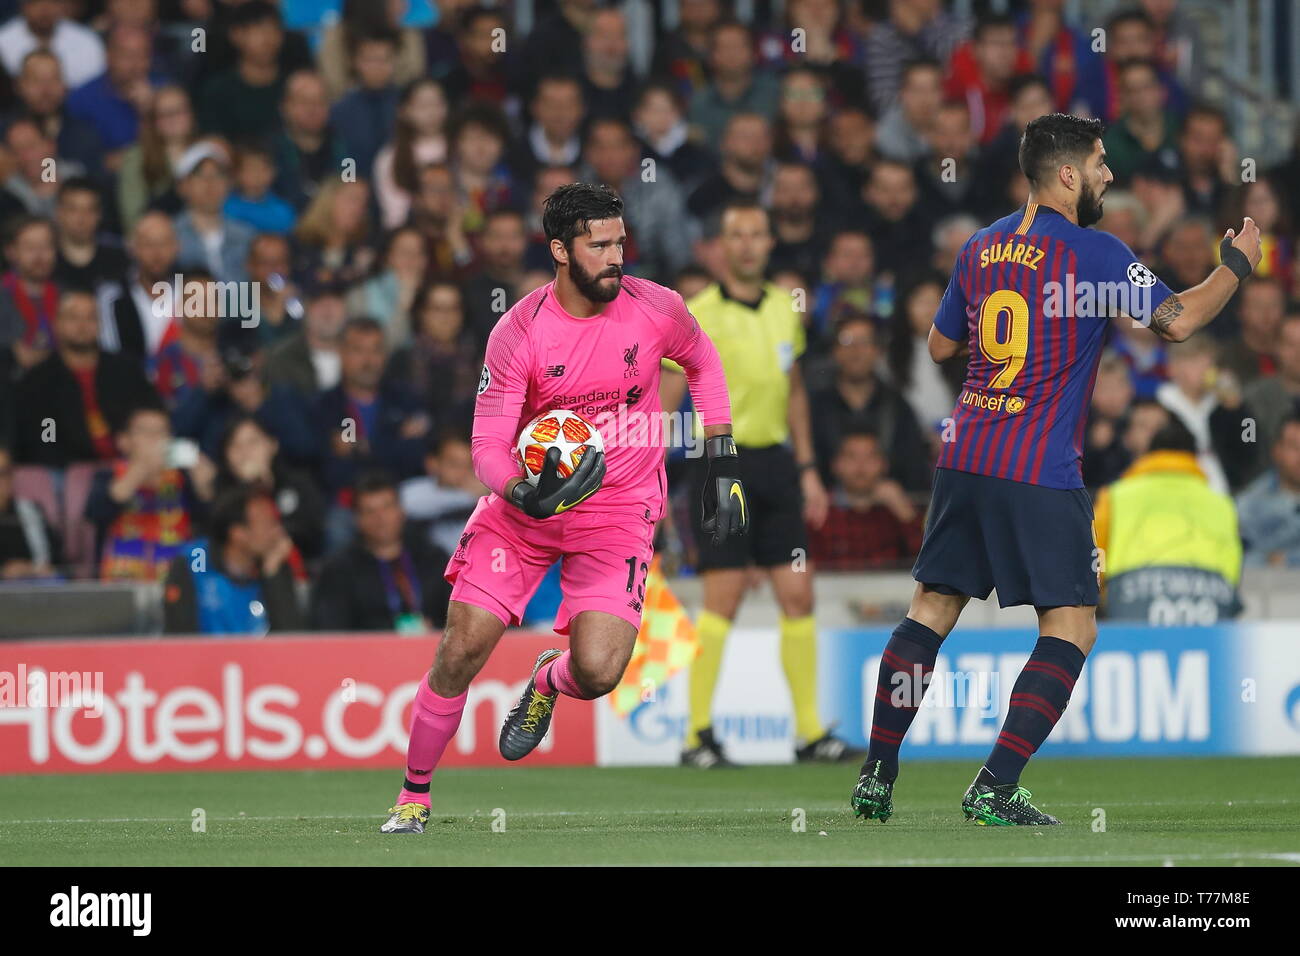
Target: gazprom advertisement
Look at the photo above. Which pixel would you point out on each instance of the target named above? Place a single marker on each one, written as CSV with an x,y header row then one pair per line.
x,y
1197,690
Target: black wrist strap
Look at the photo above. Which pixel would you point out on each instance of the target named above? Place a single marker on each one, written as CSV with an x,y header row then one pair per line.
x,y
721,446
1234,259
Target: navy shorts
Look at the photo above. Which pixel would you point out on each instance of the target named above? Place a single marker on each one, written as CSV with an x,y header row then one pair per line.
x,y
1034,545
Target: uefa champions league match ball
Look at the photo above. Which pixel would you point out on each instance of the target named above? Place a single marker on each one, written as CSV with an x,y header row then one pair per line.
x,y
566,430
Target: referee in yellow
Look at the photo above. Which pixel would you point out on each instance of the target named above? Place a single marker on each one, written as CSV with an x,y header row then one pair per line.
x,y
760,338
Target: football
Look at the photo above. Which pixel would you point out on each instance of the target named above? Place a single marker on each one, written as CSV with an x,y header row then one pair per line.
x,y
566,430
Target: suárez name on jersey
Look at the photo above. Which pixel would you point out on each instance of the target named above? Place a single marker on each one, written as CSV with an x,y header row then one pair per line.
x,y
1019,253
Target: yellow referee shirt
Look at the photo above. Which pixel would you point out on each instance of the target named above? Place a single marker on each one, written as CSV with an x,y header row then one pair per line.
x,y
758,344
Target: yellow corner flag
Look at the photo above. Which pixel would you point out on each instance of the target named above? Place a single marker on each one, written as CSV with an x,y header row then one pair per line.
x,y
665,644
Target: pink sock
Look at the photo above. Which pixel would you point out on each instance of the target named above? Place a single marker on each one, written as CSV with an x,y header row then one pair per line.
x,y
434,721
558,676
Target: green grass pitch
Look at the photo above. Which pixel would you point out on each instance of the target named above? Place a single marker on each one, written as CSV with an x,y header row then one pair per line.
x,y
1206,812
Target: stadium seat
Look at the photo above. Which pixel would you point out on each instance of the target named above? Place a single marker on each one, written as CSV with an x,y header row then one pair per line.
x,y
79,533
37,483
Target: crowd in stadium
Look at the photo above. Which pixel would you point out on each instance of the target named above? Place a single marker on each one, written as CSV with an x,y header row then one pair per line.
x,y
378,179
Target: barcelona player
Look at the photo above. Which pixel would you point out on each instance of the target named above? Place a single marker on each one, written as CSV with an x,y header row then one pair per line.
x,y
590,341
1030,297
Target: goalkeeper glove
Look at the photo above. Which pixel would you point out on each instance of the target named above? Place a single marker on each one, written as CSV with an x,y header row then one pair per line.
x,y
726,512
554,494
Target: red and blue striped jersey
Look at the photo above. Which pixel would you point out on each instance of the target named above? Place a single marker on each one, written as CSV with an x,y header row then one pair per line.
x,y
1033,294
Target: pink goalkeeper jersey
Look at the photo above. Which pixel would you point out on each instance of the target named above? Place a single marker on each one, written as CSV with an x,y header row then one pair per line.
x,y
605,368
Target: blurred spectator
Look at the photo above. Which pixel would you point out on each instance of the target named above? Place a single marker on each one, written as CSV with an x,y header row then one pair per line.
x,y
1145,418
249,458
1187,254
1145,130
858,399
483,181
43,23
130,322
1063,55
495,288
1171,553
420,138
904,129
251,201
29,548
827,46
735,85
146,506
444,497
364,116
439,214
1030,97
801,116
1269,509
1262,201
389,578
608,84
237,580
307,360
69,406
28,296
114,101
362,18
659,231
208,237
147,174
659,120
308,151
1261,305
850,149
981,73
847,274
872,522
391,290
930,389
1276,398
898,226
1208,158
1209,403
440,365
480,74
279,308
914,30
1130,35
333,234
365,423
682,53
243,101
85,258
946,175
744,171
1105,455
556,39
236,385
188,356
42,97
800,239
553,138
33,186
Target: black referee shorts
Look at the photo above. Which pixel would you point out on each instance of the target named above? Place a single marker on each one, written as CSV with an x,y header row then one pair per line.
x,y
776,526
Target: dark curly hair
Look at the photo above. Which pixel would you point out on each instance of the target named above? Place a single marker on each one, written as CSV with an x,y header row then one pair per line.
x,y
572,208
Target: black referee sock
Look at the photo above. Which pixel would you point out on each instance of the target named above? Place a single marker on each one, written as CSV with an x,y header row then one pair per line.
x,y
1037,701
904,675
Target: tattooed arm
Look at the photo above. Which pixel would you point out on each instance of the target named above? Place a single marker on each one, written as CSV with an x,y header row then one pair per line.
x,y
1181,314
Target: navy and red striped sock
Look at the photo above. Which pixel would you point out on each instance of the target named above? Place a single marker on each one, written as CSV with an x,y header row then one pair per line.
x,y
1037,701
904,675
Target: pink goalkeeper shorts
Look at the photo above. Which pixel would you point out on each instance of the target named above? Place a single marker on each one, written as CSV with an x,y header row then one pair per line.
x,y
504,554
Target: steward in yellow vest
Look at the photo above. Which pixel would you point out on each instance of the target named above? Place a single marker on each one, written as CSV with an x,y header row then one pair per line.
x,y
1170,545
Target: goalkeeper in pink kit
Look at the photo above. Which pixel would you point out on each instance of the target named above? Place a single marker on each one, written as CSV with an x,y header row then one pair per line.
x,y
591,341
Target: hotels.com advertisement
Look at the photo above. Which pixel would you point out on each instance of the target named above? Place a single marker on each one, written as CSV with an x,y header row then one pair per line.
x,y
216,704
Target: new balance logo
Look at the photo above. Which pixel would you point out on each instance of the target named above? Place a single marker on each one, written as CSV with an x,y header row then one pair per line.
x,y
554,371
633,395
